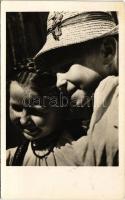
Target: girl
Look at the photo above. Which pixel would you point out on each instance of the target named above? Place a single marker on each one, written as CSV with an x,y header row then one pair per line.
x,y
36,111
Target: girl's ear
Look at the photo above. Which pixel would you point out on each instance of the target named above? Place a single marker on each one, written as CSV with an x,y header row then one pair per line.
x,y
108,50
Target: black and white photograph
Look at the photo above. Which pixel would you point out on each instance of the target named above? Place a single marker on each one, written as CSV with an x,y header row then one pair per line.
x,y
62,98
61,93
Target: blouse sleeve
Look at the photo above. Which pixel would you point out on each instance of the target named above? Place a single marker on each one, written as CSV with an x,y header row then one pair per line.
x,y
9,156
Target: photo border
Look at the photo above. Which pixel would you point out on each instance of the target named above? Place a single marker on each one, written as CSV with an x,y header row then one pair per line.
x,y
63,182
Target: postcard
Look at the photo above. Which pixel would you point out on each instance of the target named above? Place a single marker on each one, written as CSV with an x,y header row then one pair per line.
x,y
62,100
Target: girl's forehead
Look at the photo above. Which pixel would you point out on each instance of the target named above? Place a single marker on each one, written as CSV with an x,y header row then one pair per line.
x,y
18,91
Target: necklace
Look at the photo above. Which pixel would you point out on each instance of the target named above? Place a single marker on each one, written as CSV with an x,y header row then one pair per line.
x,y
45,146
43,152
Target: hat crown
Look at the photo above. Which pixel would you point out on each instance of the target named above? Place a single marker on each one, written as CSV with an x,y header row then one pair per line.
x,y
56,20
68,15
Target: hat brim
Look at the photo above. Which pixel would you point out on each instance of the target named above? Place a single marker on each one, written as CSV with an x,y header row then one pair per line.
x,y
68,40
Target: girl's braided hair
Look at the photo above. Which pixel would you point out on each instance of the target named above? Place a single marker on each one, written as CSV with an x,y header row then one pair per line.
x,y
27,73
30,74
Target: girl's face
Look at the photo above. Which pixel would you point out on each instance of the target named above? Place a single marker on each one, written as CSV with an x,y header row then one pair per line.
x,y
33,121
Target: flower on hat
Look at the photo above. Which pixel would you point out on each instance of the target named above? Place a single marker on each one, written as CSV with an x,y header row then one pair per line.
x,y
55,25
77,27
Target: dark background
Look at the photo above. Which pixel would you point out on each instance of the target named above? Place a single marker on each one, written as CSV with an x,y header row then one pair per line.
x,y
25,36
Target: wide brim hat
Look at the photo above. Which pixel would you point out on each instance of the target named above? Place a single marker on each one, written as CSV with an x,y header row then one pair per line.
x,y
69,28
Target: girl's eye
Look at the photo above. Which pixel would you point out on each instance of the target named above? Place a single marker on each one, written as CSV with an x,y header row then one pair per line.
x,y
17,108
37,111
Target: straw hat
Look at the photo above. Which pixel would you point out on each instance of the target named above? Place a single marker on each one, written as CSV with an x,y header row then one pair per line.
x,y
67,28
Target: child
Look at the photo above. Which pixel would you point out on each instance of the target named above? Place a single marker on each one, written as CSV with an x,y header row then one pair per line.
x,y
35,110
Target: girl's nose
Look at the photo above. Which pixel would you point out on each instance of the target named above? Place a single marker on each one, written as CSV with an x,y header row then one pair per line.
x,y
24,117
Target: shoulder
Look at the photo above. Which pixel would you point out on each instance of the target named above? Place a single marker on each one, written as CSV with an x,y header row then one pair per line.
x,y
107,88
71,154
107,84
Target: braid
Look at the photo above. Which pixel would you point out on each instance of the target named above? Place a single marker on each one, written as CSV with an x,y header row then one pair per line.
x,y
28,73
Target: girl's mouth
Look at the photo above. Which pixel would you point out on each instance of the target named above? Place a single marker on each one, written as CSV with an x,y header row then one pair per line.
x,y
34,132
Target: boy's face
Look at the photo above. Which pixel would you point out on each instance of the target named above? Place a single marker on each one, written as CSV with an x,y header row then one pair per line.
x,y
88,68
33,120
80,76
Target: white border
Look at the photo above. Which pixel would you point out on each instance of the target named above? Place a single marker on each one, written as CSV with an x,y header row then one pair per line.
x,y
63,182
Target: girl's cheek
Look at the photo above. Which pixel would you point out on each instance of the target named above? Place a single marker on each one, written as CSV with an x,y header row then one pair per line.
x,y
38,120
13,115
